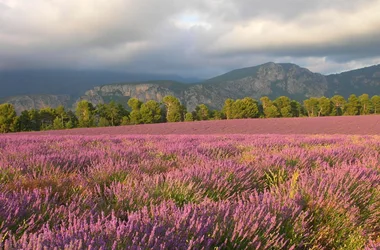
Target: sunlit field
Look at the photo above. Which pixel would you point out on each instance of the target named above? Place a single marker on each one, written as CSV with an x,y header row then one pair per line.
x,y
190,192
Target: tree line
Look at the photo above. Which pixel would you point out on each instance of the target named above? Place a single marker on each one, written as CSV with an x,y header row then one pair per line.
x,y
87,115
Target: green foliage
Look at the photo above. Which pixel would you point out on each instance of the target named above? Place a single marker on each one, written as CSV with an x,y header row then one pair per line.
x,y
324,106
134,104
352,106
174,109
8,118
269,109
57,124
202,112
338,103
216,115
85,114
311,106
227,108
189,117
125,121
110,114
365,104
296,109
150,112
135,117
283,105
274,177
47,116
375,100
114,114
103,122
245,108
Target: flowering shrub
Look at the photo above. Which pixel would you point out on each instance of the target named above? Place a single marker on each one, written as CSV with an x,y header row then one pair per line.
x,y
189,192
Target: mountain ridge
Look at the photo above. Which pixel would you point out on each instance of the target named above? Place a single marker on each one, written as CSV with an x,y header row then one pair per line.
x,y
269,79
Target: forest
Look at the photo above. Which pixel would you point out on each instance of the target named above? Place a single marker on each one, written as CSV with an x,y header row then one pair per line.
x,y
170,109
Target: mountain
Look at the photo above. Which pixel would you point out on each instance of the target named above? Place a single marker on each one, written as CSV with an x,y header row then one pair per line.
x,y
270,79
365,80
66,82
25,102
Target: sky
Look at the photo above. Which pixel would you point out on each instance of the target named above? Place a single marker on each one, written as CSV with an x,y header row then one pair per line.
x,y
191,38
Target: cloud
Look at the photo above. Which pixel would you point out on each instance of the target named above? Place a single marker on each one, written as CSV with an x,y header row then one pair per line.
x,y
193,38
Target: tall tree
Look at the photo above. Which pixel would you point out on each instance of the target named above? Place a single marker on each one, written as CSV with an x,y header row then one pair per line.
x,y
296,109
203,113
189,117
47,116
57,123
324,106
311,106
375,100
174,109
216,115
151,112
352,106
283,105
365,104
8,118
72,120
227,108
135,115
62,116
338,103
24,121
85,114
245,108
269,109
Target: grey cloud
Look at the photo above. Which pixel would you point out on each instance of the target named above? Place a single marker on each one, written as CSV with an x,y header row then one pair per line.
x,y
177,36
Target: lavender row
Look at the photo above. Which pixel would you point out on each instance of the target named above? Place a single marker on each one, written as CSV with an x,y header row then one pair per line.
x,y
189,192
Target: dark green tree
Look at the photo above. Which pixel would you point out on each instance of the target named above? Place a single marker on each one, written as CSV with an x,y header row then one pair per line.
x,y
245,108
311,106
365,104
47,116
174,109
72,120
151,112
85,114
338,103
227,108
216,115
57,123
135,115
202,112
283,105
189,117
269,109
324,106
62,116
8,118
375,100
296,109
352,106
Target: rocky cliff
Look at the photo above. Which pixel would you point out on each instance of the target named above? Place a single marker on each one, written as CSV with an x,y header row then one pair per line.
x,y
26,102
269,79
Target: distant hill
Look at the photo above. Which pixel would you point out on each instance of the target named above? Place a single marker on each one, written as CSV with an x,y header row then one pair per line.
x,y
270,79
65,82
365,80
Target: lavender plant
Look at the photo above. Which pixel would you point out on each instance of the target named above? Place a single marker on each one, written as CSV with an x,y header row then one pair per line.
x,y
189,192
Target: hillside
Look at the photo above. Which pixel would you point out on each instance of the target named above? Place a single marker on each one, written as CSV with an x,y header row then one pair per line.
x,y
25,102
270,79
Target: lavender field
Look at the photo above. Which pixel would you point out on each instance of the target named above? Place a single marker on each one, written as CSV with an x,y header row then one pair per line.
x,y
189,192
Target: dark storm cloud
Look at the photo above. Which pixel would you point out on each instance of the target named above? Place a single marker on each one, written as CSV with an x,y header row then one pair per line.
x,y
187,37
